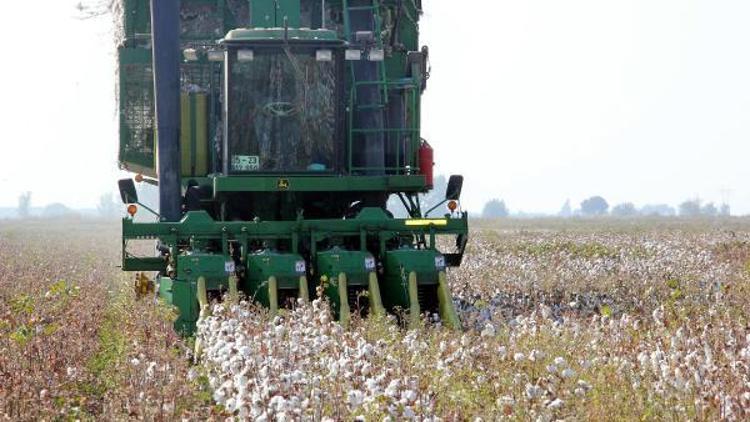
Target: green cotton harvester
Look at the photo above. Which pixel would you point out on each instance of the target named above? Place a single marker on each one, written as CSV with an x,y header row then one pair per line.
x,y
276,131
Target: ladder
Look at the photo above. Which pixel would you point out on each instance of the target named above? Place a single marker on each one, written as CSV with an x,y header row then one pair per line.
x,y
369,92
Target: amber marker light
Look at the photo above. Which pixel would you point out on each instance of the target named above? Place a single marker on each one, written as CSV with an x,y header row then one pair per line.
x,y
139,178
132,209
452,205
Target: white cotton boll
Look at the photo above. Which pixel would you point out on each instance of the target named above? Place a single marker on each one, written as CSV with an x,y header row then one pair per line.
x,y
568,373
489,330
409,396
372,385
151,369
502,352
546,312
43,394
333,368
658,315
245,351
505,401
533,391
536,355
552,369
135,362
278,403
355,398
220,396
518,357
560,362
366,369
555,404
71,371
392,389
280,330
409,413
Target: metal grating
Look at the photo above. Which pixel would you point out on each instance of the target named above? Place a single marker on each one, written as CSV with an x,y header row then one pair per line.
x,y
137,114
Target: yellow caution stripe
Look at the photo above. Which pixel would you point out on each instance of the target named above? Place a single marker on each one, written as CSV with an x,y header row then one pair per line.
x,y
427,222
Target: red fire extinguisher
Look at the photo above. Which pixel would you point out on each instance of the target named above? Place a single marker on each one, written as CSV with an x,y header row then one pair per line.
x,y
427,162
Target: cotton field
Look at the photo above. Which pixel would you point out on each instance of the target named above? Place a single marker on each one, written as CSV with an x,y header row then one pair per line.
x,y
602,320
621,323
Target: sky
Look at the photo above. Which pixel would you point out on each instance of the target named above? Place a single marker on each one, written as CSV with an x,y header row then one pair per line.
x,y
534,102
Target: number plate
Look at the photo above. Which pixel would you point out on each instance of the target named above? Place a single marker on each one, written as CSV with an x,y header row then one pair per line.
x,y
300,267
245,163
229,266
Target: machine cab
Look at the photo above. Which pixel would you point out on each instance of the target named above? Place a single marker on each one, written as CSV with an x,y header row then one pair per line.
x,y
283,108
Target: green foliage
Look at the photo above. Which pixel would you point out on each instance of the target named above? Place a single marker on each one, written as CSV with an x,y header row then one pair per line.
x,y
495,208
596,205
577,250
22,335
22,304
112,350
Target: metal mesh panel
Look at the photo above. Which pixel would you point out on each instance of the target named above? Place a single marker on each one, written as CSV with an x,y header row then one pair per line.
x,y
137,114
196,78
200,20
239,10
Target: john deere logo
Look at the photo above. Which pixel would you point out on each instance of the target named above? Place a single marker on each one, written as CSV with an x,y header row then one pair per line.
x,y
283,184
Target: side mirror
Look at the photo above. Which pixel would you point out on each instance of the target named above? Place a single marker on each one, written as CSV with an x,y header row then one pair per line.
x,y
127,191
455,184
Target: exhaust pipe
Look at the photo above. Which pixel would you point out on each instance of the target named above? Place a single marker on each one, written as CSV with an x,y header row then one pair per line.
x,y
165,35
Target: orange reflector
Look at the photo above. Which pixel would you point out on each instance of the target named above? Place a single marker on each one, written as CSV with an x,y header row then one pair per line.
x,y
452,205
132,209
139,178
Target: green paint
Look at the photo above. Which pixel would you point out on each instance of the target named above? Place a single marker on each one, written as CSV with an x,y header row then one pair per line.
x,y
285,268
319,183
266,252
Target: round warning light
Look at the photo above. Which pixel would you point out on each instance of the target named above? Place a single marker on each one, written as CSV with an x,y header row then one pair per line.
x,y
452,205
139,178
132,209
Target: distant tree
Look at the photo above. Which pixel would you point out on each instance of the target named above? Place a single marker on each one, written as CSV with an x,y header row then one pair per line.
x,y
24,205
690,208
725,211
596,205
107,207
495,208
710,210
661,210
56,210
626,209
566,211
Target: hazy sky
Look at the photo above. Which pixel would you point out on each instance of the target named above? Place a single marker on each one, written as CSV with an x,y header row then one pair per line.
x,y
534,101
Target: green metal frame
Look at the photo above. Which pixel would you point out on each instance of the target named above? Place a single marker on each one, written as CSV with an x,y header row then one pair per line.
x,y
199,226
281,183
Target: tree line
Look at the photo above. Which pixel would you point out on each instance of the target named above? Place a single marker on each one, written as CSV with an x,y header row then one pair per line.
x,y
597,206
